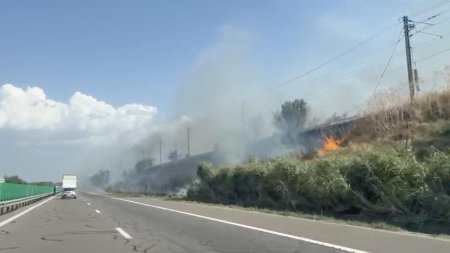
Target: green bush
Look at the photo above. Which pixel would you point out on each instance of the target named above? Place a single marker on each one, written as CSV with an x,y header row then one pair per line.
x,y
388,182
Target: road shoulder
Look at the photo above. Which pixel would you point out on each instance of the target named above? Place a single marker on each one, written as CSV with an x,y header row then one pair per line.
x,y
368,239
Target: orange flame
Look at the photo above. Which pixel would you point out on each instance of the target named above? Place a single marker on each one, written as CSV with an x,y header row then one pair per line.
x,y
330,143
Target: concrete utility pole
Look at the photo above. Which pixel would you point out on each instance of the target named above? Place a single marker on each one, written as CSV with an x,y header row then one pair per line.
x,y
416,79
243,116
406,28
188,142
160,152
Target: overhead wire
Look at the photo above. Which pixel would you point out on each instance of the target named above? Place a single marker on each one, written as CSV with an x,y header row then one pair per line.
x,y
330,60
393,54
430,8
398,41
388,62
434,55
373,64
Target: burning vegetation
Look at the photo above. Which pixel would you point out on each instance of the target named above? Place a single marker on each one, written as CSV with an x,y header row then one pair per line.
x,y
330,143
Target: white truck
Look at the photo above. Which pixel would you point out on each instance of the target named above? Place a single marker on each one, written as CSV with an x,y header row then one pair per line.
x,y
69,186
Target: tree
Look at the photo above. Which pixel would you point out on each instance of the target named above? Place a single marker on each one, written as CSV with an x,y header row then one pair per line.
x,y
101,178
291,120
14,179
173,156
143,164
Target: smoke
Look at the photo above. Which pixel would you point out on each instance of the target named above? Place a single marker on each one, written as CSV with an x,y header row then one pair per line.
x,y
222,101
227,109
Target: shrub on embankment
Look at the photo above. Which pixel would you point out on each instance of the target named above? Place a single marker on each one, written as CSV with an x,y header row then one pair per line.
x,y
388,183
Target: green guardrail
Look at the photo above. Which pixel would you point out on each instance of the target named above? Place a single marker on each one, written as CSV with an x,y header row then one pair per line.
x,y
10,191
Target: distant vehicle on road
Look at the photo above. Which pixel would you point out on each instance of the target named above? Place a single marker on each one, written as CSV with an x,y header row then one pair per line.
x,y
69,186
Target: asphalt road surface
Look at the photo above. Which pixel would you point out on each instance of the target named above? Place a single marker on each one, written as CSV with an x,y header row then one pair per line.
x,y
96,223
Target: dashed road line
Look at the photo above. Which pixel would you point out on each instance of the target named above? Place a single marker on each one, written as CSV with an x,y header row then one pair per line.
x,y
97,211
123,233
316,242
88,203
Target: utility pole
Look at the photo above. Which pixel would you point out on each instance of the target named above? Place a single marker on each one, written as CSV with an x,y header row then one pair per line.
x,y
188,142
160,152
243,116
406,28
416,79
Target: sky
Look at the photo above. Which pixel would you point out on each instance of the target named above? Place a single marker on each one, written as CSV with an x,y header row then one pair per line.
x,y
84,81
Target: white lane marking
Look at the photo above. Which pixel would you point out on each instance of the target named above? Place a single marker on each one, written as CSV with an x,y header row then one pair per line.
x,y
97,211
24,212
325,244
123,233
88,204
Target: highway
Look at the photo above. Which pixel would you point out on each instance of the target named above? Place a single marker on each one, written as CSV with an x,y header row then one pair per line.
x,y
98,223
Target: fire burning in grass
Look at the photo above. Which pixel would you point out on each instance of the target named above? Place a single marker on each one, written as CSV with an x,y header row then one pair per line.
x,y
329,144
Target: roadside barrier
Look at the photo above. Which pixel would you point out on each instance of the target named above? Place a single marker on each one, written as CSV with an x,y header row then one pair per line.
x,y
14,196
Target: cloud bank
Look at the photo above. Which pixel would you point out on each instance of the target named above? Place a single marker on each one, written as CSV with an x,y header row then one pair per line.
x,y
43,138
29,108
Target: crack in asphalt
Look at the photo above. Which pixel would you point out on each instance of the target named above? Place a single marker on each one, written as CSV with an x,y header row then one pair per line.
x,y
9,248
84,232
147,250
51,240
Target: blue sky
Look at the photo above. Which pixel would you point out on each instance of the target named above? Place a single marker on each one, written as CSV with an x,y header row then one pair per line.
x,y
139,51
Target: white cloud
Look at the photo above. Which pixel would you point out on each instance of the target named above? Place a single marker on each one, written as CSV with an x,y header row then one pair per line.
x,y
44,138
30,109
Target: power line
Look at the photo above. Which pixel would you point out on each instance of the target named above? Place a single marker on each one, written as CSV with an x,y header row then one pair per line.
x,y
351,73
386,65
430,8
442,21
389,61
433,41
331,60
354,48
319,82
434,55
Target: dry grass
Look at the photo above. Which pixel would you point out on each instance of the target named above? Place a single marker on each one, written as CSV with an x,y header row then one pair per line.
x,y
389,116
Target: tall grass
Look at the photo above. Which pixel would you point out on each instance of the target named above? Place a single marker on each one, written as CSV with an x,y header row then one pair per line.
x,y
390,116
370,181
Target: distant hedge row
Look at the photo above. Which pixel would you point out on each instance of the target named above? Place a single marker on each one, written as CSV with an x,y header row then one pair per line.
x,y
387,182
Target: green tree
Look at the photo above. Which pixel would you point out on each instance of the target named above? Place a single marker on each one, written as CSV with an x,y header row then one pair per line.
x,y
143,164
290,121
101,178
14,179
173,156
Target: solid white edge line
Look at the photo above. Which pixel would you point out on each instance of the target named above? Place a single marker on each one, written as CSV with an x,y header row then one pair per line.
x,y
325,244
97,211
123,233
24,212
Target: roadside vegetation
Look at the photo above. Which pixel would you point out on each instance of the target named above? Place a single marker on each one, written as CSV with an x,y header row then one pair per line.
x,y
375,182
393,165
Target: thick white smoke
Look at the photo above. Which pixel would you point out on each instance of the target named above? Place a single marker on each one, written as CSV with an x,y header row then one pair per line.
x,y
222,100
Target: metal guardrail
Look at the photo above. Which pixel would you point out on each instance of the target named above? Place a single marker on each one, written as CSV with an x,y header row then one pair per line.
x,y
11,205
4,203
